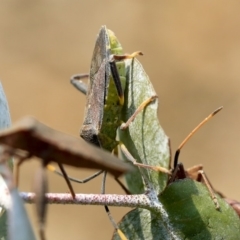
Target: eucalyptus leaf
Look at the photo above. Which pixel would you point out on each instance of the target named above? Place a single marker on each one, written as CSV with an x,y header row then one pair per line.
x,y
3,225
14,223
191,212
144,138
5,121
19,227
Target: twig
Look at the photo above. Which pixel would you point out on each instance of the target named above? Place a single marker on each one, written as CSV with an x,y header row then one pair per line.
x,y
139,200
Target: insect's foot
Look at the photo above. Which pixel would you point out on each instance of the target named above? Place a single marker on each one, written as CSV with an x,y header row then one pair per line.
x,y
127,56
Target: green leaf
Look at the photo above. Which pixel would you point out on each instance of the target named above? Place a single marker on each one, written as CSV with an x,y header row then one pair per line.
x,y
3,225
5,121
19,227
191,214
145,138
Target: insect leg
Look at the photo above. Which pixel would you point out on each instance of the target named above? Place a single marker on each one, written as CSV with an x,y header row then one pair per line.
x,y
40,200
133,160
20,161
122,186
85,180
78,83
192,133
115,74
120,90
120,233
203,178
127,56
138,110
67,179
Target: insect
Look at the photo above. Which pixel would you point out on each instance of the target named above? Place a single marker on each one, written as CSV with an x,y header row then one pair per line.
x,y
105,92
197,169
29,138
105,95
195,172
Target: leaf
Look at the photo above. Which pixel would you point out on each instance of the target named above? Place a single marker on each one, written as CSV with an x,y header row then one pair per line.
x,y
191,214
144,138
3,225
19,227
18,224
5,121
14,222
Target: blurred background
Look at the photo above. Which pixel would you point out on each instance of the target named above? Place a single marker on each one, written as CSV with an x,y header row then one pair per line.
x,y
192,55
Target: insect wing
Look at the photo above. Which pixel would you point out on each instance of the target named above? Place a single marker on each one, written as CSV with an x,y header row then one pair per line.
x,y
99,74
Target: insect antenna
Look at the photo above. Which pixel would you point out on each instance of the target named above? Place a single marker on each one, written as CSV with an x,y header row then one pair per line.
x,y
191,134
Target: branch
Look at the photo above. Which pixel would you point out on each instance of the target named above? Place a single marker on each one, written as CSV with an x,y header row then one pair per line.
x,y
139,200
